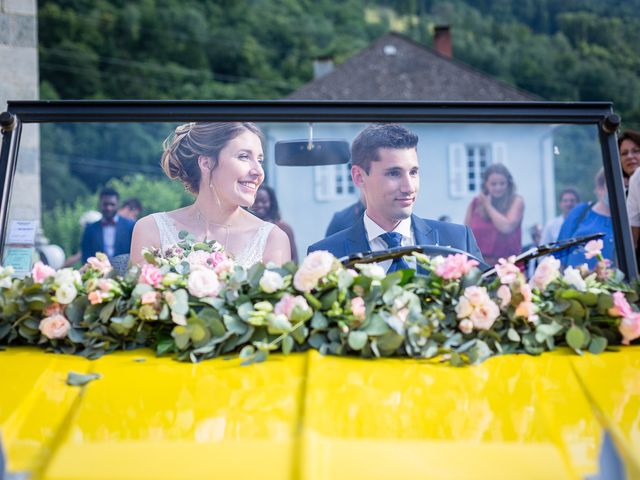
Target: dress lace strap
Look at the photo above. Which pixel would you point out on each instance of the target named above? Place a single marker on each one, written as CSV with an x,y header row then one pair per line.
x,y
254,250
167,229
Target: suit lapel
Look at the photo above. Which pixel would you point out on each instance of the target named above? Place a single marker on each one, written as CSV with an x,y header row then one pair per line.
x,y
357,240
423,233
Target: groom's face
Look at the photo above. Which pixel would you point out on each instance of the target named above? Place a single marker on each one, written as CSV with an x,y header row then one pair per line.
x,y
391,186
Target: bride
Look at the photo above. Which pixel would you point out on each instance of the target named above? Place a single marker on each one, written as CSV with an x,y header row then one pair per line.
x,y
221,165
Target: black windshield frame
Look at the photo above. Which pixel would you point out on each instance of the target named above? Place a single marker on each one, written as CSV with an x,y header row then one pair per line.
x,y
595,113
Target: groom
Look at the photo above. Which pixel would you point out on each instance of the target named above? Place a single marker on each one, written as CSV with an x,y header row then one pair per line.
x,y
385,167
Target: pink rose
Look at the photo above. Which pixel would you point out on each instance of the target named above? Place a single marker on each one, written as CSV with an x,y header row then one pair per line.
x,y
224,266
455,266
203,283
358,308
602,269
465,326
198,259
507,271
546,272
316,265
593,248
527,310
216,258
149,298
150,275
288,302
504,294
464,308
630,328
100,263
525,291
484,315
55,327
621,307
476,295
105,285
96,297
41,272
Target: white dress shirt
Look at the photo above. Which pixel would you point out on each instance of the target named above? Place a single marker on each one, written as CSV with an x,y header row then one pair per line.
x,y
109,238
633,199
551,230
377,244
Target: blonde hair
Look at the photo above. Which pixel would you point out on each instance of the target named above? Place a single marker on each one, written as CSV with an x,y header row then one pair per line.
x,y
192,140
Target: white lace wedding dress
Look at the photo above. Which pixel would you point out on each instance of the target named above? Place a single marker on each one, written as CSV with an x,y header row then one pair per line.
x,y
251,253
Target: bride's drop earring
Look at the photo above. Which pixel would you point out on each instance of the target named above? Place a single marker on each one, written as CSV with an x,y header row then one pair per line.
x,y
213,190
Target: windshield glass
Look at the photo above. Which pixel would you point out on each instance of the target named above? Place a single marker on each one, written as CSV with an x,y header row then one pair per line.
x,y
513,184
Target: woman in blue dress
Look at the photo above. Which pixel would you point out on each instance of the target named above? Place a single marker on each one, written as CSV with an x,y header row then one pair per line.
x,y
586,219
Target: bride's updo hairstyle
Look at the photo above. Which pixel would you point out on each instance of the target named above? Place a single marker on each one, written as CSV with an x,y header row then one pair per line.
x,y
192,140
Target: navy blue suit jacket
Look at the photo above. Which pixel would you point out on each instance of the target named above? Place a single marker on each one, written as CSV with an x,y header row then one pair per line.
x,y
345,218
93,240
426,232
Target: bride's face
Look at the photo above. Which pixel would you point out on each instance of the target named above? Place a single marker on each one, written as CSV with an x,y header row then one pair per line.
x,y
239,172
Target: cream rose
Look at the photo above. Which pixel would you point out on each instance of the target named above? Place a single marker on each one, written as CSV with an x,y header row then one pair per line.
x,y
546,272
100,263
465,326
316,265
66,293
271,281
203,283
573,277
483,316
55,327
372,270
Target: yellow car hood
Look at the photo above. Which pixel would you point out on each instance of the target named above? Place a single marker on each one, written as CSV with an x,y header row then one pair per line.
x,y
306,416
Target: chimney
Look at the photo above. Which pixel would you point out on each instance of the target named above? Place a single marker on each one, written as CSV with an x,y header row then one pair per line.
x,y
322,66
442,40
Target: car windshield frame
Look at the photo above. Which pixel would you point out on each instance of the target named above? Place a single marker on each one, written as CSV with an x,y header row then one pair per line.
x,y
600,114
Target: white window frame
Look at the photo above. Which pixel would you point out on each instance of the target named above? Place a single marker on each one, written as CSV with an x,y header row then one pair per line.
x,y
328,179
461,164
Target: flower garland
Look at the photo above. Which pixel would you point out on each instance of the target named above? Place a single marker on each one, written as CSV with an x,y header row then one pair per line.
x,y
194,302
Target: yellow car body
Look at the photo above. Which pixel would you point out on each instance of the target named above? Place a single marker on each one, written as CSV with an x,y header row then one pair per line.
x,y
307,416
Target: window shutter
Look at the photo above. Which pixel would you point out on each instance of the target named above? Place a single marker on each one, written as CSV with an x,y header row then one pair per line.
x,y
499,153
458,185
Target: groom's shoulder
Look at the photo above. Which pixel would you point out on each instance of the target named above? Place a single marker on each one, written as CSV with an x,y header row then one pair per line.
x,y
333,243
441,226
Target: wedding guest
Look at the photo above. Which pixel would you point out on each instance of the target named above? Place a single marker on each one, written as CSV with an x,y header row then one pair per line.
x,y
266,207
495,215
131,208
112,234
629,147
585,219
347,216
569,198
221,165
90,216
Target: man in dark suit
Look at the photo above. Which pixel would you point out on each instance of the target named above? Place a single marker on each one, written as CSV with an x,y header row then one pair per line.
x,y
385,168
346,217
111,234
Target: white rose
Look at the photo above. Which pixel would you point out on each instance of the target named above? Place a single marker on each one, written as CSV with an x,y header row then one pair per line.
x,y
372,270
5,282
203,283
178,318
66,293
573,277
66,276
271,281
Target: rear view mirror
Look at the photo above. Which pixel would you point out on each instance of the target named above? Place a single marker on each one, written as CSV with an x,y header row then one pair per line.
x,y
299,153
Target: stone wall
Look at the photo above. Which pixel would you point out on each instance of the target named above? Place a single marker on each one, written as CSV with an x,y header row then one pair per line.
x,y
19,81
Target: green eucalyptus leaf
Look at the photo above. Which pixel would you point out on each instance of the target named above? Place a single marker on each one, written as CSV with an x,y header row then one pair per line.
x,y
319,321
598,344
575,338
181,336
375,325
357,339
247,351
165,345
513,335
235,325
245,311
389,343
287,345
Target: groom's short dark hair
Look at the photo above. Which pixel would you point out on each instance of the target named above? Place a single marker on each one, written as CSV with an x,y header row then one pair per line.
x,y
364,149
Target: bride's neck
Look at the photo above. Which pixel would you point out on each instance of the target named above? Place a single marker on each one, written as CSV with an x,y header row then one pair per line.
x,y
208,207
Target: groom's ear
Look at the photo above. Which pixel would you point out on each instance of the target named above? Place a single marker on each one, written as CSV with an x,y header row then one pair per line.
x,y
358,175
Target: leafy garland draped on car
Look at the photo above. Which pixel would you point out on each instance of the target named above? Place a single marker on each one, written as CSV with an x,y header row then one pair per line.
x,y
194,302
